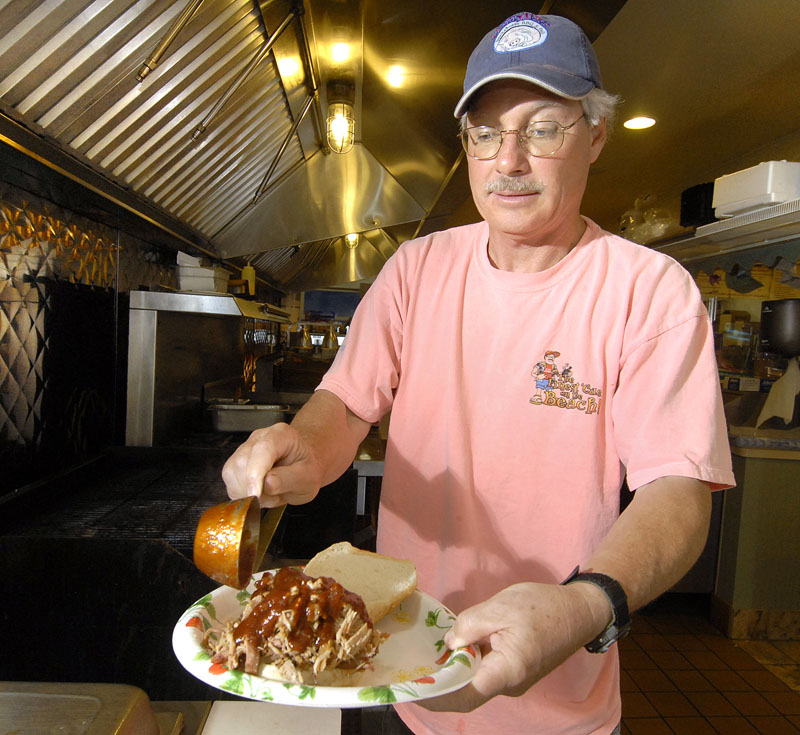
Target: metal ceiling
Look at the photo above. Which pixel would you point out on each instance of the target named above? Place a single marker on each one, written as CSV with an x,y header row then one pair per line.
x,y
222,142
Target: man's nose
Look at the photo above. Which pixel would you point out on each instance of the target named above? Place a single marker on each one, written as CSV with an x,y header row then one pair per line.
x,y
511,156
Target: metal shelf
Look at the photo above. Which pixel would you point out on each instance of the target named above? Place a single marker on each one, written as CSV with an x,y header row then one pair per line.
x,y
217,304
774,225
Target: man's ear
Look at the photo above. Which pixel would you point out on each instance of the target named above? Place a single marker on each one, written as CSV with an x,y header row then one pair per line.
x,y
598,133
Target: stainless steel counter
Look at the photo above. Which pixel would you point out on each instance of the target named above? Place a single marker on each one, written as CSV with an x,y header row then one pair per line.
x,y
194,303
369,462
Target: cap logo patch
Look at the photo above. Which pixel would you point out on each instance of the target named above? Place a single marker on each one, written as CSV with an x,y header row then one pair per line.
x,y
520,32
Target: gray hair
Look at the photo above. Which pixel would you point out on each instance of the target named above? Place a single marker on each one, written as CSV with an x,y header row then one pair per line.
x,y
598,104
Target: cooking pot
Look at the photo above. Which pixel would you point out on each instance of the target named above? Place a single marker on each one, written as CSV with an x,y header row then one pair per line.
x,y
780,327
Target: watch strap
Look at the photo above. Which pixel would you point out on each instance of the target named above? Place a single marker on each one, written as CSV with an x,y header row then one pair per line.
x,y
620,623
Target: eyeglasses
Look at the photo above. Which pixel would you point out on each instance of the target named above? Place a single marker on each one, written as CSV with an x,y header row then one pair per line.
x,y
541,138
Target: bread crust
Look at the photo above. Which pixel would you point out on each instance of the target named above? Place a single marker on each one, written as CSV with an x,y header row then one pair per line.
x,y
383,582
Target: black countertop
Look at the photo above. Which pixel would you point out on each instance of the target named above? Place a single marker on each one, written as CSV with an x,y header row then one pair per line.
x,y
96,568
97,565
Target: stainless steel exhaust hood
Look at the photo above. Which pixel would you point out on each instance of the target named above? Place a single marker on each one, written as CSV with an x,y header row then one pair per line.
x,y
330,196
220,141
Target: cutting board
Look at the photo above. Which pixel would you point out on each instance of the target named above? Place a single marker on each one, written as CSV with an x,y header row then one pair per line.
x,y
257,718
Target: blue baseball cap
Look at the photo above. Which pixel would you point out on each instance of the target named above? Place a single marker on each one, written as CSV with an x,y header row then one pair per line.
x,y
547,50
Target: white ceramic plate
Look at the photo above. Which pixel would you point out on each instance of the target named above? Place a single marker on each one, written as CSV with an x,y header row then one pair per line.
x,y
412,664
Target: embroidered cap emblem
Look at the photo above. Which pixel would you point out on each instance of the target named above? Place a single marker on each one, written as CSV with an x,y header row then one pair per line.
x,y
520,32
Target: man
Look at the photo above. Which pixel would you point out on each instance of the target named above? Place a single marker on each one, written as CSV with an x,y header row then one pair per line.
x,y
498,498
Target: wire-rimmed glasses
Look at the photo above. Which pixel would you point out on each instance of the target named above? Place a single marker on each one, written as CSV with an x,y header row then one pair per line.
x,y
540,138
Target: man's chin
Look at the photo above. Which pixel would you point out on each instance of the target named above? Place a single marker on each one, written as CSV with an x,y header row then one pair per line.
x,y
514,228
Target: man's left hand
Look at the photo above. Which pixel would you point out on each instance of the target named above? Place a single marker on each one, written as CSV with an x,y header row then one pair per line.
x,y
524,632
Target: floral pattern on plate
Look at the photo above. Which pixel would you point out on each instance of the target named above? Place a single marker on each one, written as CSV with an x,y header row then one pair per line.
x,y
413,662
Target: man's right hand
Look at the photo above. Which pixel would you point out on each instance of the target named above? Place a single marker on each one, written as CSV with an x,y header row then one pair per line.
x,y
276,465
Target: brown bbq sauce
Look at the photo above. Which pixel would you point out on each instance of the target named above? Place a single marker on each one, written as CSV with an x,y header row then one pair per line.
x,y
288,589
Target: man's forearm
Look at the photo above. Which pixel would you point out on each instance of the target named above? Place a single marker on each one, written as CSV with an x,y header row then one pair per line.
x,y
332,432
657,538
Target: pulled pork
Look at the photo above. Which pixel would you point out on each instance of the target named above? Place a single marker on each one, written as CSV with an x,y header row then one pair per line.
x,y
301,625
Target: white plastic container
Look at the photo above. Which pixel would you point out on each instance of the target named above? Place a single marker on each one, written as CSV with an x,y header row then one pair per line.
x,y
194,278
768,183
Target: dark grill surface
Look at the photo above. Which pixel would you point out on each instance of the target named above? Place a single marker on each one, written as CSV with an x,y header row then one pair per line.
x,y
131,493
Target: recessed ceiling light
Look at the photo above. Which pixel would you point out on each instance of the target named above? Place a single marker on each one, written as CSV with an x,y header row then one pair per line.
x,y
639,123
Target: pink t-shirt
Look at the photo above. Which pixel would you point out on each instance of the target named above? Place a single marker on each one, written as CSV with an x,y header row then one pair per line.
x,y
519,401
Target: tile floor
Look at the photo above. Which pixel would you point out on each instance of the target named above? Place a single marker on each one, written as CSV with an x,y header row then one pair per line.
x,y
681,676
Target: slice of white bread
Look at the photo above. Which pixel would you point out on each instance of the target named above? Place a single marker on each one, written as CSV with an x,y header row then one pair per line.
x,y
382,581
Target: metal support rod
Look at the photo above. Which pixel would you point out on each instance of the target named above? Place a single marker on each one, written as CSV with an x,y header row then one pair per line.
x,y
174,30
254,62
279,154
439,193
312,84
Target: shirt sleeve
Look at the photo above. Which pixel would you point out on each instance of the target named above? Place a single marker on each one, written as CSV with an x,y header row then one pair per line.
x,y
667,409
366,370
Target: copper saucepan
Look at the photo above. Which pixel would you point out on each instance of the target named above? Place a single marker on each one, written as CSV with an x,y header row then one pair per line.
x,y
231,539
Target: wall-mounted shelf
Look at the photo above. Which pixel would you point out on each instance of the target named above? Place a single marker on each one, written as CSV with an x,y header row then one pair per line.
x,y
778,224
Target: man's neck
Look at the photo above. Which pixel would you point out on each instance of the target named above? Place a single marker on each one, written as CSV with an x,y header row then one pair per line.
x,y
523,256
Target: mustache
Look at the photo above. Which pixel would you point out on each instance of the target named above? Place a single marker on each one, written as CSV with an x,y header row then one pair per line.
x,y
513,184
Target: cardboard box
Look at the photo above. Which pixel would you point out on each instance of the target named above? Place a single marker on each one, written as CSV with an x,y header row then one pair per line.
x,y
194,278
745,383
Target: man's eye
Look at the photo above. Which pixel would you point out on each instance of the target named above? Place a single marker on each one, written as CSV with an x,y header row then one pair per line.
x,y
485,135
541,131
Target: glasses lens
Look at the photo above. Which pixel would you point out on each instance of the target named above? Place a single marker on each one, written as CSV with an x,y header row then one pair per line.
x,y
481,142
542,138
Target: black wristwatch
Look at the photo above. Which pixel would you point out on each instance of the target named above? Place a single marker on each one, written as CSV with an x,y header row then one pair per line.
x,y
620,624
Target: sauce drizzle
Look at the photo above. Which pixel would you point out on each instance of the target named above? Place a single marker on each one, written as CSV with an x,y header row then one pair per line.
x,y
314,603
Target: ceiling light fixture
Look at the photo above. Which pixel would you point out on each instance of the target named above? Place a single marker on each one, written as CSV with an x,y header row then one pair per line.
x,y
396,76
340,52
639,123
351,240
341,122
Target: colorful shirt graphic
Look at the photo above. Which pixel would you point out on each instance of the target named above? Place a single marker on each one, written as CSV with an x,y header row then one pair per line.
x,y
559,388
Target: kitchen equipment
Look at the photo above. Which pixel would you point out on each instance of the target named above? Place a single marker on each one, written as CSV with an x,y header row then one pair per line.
x,y
199,278
770,182
780,332
253,718
89,709
696,205
241,415
330,340
231,539
305,337
780,327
